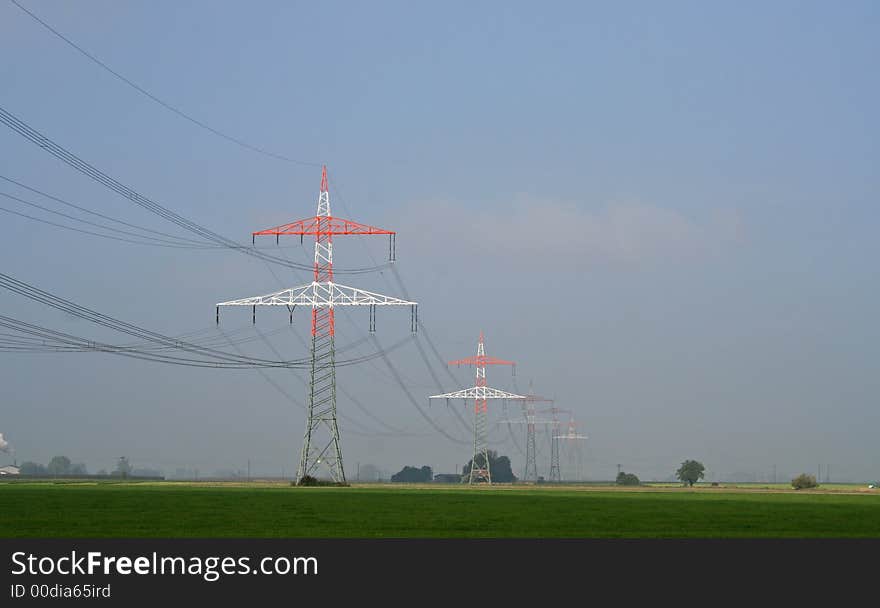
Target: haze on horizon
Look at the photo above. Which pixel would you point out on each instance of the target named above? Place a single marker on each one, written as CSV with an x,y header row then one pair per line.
x,y
666,215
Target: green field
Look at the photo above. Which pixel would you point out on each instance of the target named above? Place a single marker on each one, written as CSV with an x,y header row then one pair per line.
x,y
276,510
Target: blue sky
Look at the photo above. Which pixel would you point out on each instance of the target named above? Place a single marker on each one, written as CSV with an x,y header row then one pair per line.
x,y
665,213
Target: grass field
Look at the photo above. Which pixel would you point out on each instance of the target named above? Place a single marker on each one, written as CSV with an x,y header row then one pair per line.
x,y
274,510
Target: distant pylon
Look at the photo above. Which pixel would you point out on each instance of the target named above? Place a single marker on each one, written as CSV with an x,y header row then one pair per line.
x,y
480,471
555,473
571,439
531,469
321,445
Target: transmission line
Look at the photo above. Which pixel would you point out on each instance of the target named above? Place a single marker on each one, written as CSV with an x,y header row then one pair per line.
x,y
164,104
91,172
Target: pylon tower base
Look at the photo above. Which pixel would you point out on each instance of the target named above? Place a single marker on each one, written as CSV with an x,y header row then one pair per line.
x,y
531,472
480,470
321,449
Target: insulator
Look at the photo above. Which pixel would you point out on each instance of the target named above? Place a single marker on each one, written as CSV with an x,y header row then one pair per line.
x,y
255,314
276,238
253,239
218,315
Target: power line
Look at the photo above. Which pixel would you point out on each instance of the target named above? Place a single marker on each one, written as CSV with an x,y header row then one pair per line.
x,y
102,178
99,215
396,375
208,357
164,104
290,397
342,389
137,240
412,400
90,171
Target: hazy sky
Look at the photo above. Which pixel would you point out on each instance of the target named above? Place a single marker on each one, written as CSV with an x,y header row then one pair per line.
x,y
665,213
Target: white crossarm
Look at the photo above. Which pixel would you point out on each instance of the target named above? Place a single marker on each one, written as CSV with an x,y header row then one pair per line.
x,y
320,295
478,392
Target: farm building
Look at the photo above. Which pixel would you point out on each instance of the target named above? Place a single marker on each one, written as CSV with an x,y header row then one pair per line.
x,y
447,478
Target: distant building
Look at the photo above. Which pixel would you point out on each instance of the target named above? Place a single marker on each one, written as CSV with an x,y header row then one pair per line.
x,y
9,470
447,478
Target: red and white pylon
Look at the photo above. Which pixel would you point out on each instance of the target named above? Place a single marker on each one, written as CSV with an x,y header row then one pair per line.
x,y
321,441
480,471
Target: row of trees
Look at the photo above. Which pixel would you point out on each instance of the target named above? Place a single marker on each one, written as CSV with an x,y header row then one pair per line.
x,y
692,471
413,475
59,465
689,473
62,466
499,467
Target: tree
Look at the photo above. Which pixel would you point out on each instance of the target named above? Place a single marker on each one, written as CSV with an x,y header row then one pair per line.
x,y
499,467
413,475
306,480
627,479
32,468
804,482
78,469
690,472
59,465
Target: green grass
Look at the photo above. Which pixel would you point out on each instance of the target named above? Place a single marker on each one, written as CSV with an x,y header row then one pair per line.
x,y
265,510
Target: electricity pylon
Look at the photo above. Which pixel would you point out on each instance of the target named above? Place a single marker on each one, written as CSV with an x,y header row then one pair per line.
x,y
531,470
572,438
480,393
321,440
555,474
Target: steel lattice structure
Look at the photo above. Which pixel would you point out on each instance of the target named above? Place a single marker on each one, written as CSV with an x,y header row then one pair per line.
x,y
555,473
531,470
480,471
572,438
321,443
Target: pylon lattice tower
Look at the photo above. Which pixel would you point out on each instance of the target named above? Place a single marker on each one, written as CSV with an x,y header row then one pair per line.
x,y
528,406
555,473
531,422
321,445
480,470
572,439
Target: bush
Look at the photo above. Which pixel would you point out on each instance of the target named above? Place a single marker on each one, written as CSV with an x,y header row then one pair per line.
x,y
413,475
308,480
804,482
627,479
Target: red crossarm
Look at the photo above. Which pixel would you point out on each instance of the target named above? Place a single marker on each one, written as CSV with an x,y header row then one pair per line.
x,y
481,361
324,225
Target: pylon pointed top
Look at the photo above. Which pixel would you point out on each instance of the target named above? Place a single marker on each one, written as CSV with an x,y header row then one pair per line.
x,y
324,197
481,336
